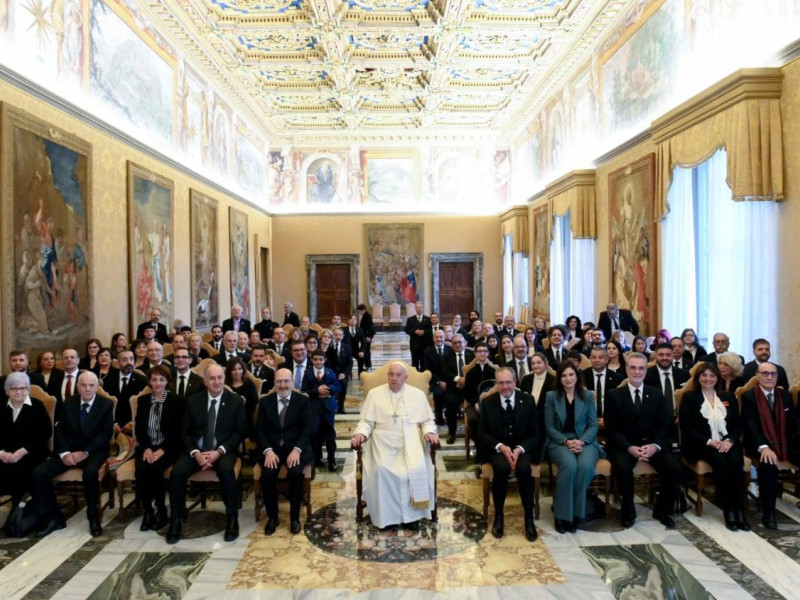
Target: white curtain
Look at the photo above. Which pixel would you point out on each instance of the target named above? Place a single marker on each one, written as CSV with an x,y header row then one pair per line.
x,y
559,269
520,280
678,266
508,273
581,275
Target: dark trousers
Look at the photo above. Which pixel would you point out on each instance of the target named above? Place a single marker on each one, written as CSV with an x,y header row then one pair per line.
x,y
45,495
186,467
15,478
365,363
438,406
474,419
728,476
453,400
668,469
502,471
150,482
325,433
269,486
768,482
342,395
416,357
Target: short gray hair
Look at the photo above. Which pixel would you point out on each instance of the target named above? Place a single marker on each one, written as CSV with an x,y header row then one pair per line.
x,y
15,379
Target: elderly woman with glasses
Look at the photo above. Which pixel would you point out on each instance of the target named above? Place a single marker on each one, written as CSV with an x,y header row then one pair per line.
x,y
25,429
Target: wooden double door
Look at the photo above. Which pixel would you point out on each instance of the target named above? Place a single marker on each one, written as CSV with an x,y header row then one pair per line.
x,y
333,292
456,290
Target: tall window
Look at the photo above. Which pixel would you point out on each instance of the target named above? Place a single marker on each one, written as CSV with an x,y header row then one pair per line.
x,y
515,278
572,269
719,259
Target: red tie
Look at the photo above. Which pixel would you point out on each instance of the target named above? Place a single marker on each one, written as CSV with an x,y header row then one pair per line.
x,y
68,387
319,375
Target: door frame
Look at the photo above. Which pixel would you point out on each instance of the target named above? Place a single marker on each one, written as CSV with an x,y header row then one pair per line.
x,y
476,258
312,260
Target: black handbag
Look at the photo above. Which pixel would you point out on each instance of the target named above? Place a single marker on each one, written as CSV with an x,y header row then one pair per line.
x,y
22,519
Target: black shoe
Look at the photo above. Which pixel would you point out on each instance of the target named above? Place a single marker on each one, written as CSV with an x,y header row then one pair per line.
x,y
161,518
52,525
730,521
294,527
147,520
413,526
232,528
572,526
174,532
94,527
665,519
390,528
319,464
451,439
560,526
530,530
271,526
741,521
332,467
497,527
770,520
628,521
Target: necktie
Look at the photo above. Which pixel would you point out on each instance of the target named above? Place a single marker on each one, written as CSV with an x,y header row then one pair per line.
x,y
558,357
771,400
352,333
282,413
68,387
668,392
677,364
182,386
637,401
460,364
319,375
208,438
338,348
509,408
85,410
598,390
441,354
521,369
123,385
298,376
616,324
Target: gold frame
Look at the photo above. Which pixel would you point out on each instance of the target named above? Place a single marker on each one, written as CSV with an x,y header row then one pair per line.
x,y
196,200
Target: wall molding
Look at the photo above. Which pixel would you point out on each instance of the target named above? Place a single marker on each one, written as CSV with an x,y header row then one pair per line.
x,y
312,260
476,258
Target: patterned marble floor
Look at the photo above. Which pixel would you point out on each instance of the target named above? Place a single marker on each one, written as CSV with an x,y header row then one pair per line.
x,y
335,556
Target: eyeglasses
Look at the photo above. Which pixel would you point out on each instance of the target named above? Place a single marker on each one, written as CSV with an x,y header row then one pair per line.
x,y
181,356
17,389
768,373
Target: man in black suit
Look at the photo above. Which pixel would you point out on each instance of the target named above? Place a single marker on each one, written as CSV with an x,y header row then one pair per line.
x,y
637,421
260,370
229,349
322,387
123,384
509,435
721,343
613,319
283,430
266,326
556,353
508,327
771,434
237,322
600,380
178,342
679,360
216,338
289,316
457,328
278,343
340,359
367,326
185,382
453,374
761,350
433,360
81,440
666,377
64,384
299,363
213,428
160,329
522,362
18,362
354,338
418,330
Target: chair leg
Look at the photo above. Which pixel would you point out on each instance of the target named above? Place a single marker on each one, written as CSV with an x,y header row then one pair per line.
x,y
120,494
607,489
698,506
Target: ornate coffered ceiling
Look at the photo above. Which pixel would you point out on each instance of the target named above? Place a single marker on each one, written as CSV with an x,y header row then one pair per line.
x,y
369,70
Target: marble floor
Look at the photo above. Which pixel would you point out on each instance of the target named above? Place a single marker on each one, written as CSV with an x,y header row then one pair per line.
x,y
456,556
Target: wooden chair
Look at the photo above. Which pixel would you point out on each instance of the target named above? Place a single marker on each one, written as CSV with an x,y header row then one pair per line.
x,y
794,391
601,481
410,309
395,317
200,369
308,477
207,337
210,349
377,315
125,474
317,327
288,329
368,382
628,337
168,349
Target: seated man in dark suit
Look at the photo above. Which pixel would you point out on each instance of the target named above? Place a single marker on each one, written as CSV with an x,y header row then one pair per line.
x,y
721,343
160,329
82,437
637,421
260,370
266,326
607,379
213,428
615,319
184,382
123,384
761,350
229,350
18,362
771,434
509,432
289,316
433,360
63,384
283,431
555,352
679,360
237,322
664,376
322,387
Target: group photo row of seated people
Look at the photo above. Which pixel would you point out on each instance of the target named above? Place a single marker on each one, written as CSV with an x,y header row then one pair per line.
x,y
547,405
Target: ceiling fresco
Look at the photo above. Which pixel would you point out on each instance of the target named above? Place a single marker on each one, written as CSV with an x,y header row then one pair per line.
x,y
358,70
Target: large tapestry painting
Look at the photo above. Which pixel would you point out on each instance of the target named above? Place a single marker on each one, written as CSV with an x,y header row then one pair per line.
x,y
150,232
205,262
240,261
541,262
46,175
394,262
631,197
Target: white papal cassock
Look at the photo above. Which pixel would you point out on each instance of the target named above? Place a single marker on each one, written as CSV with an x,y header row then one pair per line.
x,y
398,472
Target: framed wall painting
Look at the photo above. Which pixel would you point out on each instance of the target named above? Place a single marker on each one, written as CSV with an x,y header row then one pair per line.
x,y
394,262
240,260
46,232
151,210
632,248
540,262
205,261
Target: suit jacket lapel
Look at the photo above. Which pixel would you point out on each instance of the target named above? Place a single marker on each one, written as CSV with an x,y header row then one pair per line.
x,y
561,408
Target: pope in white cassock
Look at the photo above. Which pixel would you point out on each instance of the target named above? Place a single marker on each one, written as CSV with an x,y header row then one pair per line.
x,y
398,472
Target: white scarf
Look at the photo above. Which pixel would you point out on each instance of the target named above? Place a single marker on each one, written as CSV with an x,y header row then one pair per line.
x,y
715,415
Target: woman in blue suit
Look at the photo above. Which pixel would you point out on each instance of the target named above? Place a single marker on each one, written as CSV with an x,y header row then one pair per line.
x,y
570,417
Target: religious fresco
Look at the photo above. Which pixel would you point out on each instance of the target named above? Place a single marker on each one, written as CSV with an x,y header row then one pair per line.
x,y
205,261
501,176
540,261
631,198
323,180
193,136
456,177
240,260
249,162
394,262
282,178
46,176
151,201
390,177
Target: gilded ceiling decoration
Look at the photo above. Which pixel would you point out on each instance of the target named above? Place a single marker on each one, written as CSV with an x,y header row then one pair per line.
x,y
370,69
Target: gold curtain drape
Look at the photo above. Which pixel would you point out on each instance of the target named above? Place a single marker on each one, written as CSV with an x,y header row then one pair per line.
x,y
742,114
515,223
575,192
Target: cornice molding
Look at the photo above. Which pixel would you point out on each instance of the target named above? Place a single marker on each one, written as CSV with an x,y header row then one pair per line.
x,y
582,177
514,212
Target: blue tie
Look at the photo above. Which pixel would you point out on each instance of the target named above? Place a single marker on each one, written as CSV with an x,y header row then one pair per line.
x,y
298,381
84,411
